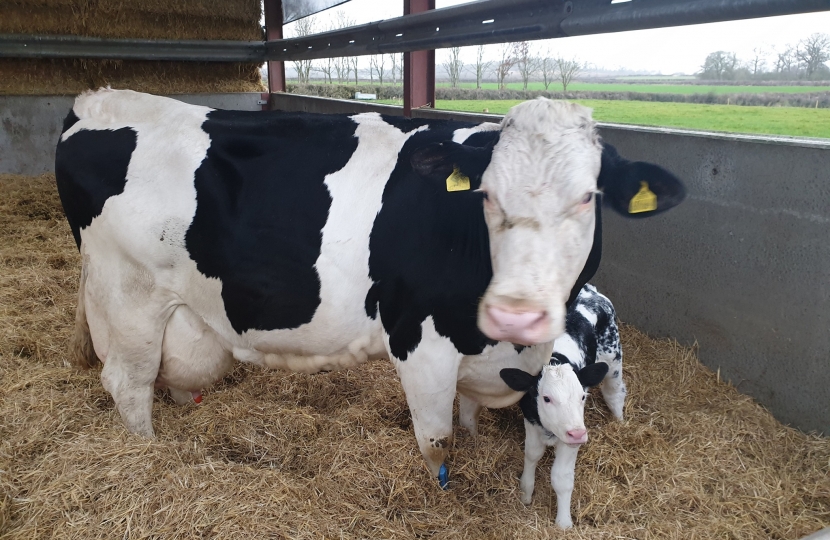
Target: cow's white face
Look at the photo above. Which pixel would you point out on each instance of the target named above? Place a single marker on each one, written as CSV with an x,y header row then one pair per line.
x,y
539,208
561,404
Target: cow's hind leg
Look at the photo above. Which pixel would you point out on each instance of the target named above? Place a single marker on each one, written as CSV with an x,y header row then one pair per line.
x,y
131,324
428,377
82,353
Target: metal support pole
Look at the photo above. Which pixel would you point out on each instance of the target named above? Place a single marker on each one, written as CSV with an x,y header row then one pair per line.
x,y
273,31
418,68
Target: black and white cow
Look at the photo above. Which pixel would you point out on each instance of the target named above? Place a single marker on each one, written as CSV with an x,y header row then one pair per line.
x,y
316,242
588,354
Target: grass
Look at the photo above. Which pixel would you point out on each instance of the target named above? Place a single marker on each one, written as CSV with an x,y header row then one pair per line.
x,y
793,121
656,88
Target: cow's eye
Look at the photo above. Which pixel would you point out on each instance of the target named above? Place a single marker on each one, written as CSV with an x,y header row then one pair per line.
x,y
584,396
588,198
547,399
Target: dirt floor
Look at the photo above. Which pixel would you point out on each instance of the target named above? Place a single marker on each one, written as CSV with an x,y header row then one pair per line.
x,y
273,454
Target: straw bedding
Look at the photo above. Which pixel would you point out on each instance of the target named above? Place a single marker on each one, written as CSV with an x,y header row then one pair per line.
x,y
273,454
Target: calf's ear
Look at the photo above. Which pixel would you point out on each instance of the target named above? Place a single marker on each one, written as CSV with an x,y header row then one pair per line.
x,y
518,380
636,188
592,374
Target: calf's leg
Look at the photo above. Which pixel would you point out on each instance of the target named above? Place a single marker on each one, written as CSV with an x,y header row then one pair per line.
x,y
614,391
534,450
562,480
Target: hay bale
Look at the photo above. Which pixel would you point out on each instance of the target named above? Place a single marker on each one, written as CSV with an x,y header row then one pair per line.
x,y
273,454
141,19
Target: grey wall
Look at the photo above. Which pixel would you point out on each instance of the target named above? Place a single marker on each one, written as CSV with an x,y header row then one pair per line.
x,y
30,126
742,267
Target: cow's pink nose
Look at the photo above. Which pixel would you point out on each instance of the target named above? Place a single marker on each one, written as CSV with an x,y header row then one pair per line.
x,y
522,327
577,436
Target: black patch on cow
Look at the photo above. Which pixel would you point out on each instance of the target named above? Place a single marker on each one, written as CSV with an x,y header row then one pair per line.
x,y
429,248
519,348
594,258
616,373
261,207
69,121
404,124
90,167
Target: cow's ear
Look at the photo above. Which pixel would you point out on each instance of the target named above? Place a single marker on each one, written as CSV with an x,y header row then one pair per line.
x,y
636,188
435,159
592,374
440,161
518,380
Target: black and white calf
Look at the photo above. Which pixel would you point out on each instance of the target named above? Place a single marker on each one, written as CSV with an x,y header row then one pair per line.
x,y
315,242
587,355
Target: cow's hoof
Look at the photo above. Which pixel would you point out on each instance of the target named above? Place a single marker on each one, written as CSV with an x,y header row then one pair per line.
x,y
443,476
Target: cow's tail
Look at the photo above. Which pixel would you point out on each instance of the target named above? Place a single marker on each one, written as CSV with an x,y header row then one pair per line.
x,y
82,353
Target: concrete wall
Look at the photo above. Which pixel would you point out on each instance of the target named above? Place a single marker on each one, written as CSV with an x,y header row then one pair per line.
x,y
30,126
742,267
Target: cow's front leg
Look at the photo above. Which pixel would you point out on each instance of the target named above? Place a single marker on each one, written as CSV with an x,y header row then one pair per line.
x,y
428,376
468,413
562,480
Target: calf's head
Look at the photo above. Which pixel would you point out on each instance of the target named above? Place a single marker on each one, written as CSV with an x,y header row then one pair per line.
x,y
559,395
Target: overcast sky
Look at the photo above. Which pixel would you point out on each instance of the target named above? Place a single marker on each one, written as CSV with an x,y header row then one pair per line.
x,y
665,50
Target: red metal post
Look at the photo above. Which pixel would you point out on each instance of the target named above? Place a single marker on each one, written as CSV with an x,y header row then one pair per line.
x,y
418,68
273,30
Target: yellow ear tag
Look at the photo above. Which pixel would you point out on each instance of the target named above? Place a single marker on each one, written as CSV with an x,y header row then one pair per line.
x,y
644,201
457,181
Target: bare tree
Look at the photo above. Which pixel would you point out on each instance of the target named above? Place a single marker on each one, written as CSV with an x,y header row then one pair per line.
x,y
396,66
304,27
758,61
378,63
342,68
567,70
526,62
326,67
355,62
719,65
342,65
481,65
813,52
453,66
505,61
785,60
547,66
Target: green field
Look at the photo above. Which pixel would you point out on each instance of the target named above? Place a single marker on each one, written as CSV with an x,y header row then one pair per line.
x,y
793,121
656,88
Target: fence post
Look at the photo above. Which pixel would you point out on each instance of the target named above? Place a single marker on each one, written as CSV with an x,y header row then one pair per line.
x,y
418,68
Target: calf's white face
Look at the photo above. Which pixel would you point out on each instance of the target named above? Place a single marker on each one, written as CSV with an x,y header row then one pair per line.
x,y
539,208
561,404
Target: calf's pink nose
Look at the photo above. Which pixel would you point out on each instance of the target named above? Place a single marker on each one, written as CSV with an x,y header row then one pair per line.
x,y
577,435
525,327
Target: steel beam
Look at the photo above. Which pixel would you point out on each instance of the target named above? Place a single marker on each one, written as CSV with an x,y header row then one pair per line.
x,y
273,31
418,67
25,46
475,23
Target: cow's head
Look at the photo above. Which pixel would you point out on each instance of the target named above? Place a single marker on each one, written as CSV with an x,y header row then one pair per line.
x,y
540,211
559,393
539,183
